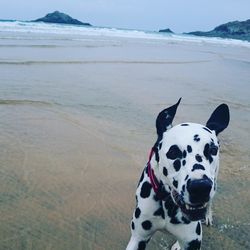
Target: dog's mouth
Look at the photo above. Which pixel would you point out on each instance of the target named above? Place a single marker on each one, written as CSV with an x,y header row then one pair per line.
x,y
193,212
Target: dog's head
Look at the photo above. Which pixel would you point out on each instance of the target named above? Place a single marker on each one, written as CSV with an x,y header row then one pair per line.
x,y
188,159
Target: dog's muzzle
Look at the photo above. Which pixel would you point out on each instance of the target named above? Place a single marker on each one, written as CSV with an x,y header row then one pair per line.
x,y
199,196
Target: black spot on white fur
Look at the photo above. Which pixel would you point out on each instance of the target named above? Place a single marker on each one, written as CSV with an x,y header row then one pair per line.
x,y
213,149
175,183
133,225
165,171
198,158
198,167
137,212
185,220
194,245
174,152
156,151
142,245
184,154
189,149
177,165
146,225
160,212
175,220
145,189
172,210
196,138
156,198
198,229
207,153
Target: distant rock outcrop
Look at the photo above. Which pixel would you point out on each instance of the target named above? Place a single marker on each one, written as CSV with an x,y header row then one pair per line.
x,y
235,30
58,17
166,31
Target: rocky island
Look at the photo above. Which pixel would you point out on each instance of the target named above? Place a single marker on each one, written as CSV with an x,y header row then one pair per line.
x,y
59,17
166,31
234,30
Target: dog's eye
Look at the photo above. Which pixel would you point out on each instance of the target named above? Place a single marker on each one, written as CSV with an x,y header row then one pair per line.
x,y
213,150
210,150
174,152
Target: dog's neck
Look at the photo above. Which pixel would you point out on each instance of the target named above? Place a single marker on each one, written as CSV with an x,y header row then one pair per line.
x,y
154,163
154,175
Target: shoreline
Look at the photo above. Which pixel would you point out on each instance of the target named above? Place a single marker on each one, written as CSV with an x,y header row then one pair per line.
x,y
79,32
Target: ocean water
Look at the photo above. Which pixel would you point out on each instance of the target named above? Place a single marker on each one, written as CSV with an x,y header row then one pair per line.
x,y
77,120
72,30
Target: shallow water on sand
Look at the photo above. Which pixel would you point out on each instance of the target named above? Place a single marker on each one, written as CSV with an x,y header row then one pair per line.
x,y
76,125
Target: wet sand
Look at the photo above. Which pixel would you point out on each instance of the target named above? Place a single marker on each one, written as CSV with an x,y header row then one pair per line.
x,y
76,125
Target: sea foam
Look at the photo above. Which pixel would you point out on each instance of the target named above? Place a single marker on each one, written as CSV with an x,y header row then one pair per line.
x,y
13,26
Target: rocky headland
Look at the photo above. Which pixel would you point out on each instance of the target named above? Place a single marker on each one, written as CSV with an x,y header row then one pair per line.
x,y
234,30
59,17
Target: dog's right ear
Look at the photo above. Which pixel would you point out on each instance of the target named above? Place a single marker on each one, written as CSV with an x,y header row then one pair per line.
x,y
165,118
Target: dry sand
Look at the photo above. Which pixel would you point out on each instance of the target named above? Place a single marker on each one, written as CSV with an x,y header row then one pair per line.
x,y
77,123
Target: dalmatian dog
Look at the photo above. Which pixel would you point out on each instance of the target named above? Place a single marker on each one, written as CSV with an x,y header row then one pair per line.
x,y
177,185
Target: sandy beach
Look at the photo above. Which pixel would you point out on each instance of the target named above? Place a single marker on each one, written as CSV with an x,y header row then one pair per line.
x,y
77,121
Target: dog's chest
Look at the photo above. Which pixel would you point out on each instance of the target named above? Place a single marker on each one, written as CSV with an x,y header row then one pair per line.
x,y
152,206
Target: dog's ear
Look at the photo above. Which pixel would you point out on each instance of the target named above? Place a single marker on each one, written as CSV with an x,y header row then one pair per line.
x,y
219,119
165,118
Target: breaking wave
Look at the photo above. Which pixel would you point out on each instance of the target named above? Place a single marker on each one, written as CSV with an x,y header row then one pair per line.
x,y
75,32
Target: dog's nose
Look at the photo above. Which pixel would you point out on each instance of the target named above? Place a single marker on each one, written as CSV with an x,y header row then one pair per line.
x,y
199,190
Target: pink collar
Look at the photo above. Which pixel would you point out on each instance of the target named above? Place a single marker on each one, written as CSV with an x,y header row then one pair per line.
x,y
158,188
154,182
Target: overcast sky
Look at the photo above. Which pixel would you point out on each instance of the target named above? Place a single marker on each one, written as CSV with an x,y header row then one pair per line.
x,y
178,15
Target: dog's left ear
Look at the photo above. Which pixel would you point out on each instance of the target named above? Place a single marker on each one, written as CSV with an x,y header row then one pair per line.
x,y
219,119
165,118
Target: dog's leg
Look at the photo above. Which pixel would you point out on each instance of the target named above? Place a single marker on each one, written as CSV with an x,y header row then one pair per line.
x,y
193,245
209,216
139,239
137,243
189,236
176,246
139,236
